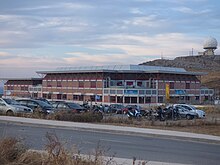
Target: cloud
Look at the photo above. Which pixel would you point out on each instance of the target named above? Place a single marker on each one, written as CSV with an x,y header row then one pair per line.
x,y
4,54
136,11
188,10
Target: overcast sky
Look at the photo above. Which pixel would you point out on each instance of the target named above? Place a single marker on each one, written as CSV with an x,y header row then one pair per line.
x,y
45,34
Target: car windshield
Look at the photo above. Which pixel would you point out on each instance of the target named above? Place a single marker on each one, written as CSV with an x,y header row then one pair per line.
x,y
74,105
11,102
192,107
43,104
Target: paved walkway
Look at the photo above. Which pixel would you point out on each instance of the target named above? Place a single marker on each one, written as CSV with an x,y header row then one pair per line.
x,y
110,128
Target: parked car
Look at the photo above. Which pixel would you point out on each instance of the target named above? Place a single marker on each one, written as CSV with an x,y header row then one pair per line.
x,y
183,112
68,106
43,99
11,107
116,108
37,105
200,113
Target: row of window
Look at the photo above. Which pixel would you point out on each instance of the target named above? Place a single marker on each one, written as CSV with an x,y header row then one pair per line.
x,y
130,92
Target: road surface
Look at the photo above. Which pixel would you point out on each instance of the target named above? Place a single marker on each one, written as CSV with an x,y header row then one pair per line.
x,y
123,146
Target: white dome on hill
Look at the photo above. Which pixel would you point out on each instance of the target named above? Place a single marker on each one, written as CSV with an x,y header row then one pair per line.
x,y
210,43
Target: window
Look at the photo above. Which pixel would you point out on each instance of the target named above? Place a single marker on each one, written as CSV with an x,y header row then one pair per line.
x,y
75,97
64,97
171,85
187,85
120,92
92,98
112,92
59,96
129,83
81,97
147,99
112,99
133,99
59,84
119,83
62,106
139,83
49,84
160,99
93,84
141,92
141,100
119,99
187,98
127,99
81,84
196,97
106,91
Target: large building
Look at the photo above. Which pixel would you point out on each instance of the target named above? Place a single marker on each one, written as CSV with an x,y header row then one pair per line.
x,y
126,84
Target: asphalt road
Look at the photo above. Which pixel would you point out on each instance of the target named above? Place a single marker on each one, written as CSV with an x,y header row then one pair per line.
x,y
123,146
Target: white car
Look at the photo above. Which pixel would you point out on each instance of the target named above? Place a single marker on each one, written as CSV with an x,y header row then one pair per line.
x,y
11,107
200,113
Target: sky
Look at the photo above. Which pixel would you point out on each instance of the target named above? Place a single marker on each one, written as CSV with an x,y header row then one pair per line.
x,y
46,34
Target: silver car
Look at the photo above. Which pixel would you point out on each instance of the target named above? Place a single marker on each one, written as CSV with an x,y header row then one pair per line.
x,y
11,107
200,113
185,113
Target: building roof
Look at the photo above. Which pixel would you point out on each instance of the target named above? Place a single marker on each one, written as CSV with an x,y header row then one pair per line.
x,y
22,79
121,69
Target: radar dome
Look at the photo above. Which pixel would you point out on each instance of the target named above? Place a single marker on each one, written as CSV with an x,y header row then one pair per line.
x,y
210,43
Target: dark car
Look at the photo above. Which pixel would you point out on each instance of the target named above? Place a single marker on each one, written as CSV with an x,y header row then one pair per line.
x,y
68,106
43,99
116,108
37,105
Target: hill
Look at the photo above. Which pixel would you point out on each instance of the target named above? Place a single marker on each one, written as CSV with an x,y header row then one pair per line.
x,y
209,64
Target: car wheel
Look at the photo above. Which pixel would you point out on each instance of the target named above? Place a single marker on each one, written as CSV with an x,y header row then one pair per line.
x,y
188,117
9,113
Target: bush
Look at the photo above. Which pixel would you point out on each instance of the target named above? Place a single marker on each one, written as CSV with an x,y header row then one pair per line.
x,y
10,150
78,117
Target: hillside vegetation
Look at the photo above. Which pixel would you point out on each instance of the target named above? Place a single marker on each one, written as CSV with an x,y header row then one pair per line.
x,y
208,64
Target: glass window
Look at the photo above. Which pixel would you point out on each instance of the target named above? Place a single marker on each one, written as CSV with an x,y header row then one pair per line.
x,y
129,83
139,83
141,100
119,83
148,92
112,99
120,92
59,84
141,92
93,84
187,85
160,99
112,92
147,99
106,91
154,92
81,84
133,99
171,85
119,99
75,97
62,106
127,99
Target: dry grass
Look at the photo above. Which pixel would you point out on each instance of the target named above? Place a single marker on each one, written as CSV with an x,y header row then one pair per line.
x,y
12,152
